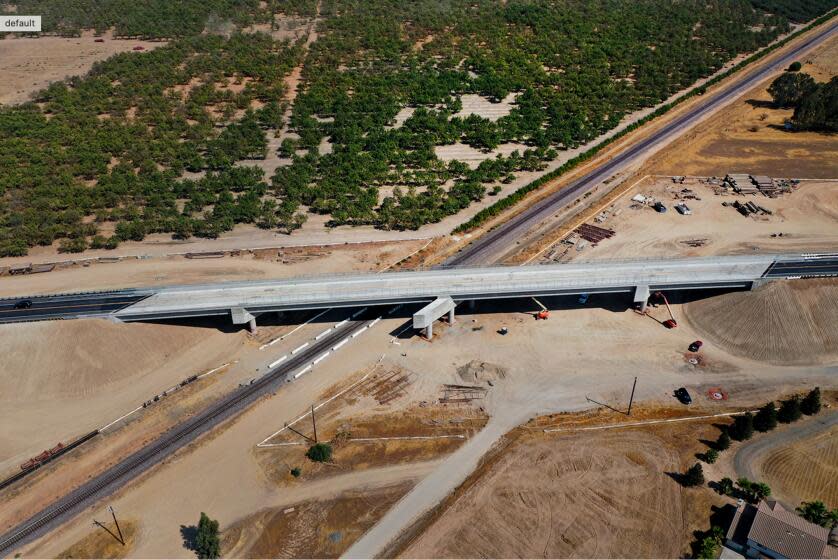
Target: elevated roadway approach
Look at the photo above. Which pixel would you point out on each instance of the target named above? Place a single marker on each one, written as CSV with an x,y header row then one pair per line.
x,y
244,301
502,240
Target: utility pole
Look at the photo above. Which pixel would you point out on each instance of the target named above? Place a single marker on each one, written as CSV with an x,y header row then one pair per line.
x,y
631,399
115,522
314,424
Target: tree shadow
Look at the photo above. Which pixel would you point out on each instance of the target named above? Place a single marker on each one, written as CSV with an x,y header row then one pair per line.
x,y
761,103
189,533
677,477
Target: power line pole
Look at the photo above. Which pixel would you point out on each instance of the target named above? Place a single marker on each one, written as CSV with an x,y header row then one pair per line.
x,y
314,424
631,399
115,522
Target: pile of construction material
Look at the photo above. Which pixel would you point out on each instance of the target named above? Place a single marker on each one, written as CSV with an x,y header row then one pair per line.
x,y
741,183
594,234
748,208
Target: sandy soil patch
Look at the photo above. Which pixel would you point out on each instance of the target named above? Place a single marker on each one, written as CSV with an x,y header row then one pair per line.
x,y
31,64
257,265
807,218
807,469
781,322
748,135
62,379
311,529
605,494
103,544
472,156
482,107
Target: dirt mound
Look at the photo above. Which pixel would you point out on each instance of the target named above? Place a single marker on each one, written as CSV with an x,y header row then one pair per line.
x,y
476,371
781,322
75,358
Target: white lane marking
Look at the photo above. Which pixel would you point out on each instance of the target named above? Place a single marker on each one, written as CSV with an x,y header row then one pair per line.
x,y
300,347
371,325
164,393
320,358
305,415
342,323
302,371
298,327
647,423
324,333
359,332
278,361
339,344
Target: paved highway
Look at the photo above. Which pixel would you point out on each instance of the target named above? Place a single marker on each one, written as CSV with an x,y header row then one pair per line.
x,y
67,305
152,454
499,241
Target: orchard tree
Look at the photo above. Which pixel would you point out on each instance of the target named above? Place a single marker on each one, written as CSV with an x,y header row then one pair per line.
x,y
812,402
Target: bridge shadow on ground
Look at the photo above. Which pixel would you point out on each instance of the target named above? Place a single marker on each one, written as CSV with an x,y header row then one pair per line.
x,y
616,303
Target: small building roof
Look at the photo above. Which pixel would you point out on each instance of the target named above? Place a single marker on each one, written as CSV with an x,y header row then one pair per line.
x,y
773,527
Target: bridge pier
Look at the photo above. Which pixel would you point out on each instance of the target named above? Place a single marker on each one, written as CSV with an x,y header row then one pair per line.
x,y
641,296
240,316
425,317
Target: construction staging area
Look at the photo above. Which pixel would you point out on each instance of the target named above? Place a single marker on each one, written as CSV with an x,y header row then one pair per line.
x,y
488,412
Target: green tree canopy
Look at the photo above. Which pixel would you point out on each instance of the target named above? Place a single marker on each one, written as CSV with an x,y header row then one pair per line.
x,y
790,88
207,542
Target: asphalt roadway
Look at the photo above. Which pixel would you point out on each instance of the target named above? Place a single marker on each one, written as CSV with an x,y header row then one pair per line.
x,y
499,241
13,310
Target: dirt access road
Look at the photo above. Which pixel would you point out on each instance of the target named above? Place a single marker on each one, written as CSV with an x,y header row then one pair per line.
x,y
749,458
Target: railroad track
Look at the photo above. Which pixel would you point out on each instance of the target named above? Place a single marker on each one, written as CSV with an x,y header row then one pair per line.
x,y
152,454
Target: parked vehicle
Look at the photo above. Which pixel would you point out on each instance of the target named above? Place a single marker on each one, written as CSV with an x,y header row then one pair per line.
x,y
23,304
683,395
659,207
696,346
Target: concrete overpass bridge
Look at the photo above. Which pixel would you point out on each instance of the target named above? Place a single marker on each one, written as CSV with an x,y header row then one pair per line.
x,y
244,301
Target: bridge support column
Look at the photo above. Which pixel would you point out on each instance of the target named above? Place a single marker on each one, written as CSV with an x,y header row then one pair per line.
x,y
425,317
641,296
241,316
471,304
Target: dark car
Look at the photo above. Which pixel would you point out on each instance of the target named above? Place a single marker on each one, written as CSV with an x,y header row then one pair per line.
x,y
696,346
23,304
683,395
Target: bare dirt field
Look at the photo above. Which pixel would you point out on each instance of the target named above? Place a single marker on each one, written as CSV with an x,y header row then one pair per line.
x,y
103,543
59,380
256,265
311,529
601,494
782,322
748,136
807,218
31,64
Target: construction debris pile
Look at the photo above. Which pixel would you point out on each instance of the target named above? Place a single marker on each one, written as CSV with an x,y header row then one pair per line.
x,y
748,208
594,234
461,394
385,387
742,183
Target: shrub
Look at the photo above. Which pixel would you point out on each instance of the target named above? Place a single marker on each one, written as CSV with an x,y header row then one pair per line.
x,y
726,486
812,402
723,442
710,456
743,427
816,512
694,476
790,410
766,419
207,543
296,472
795,66
319,452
